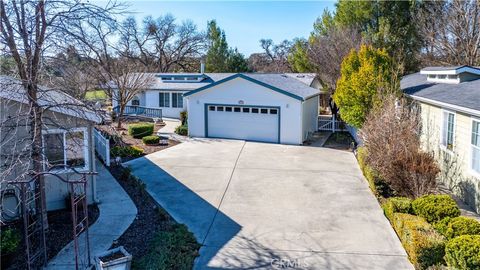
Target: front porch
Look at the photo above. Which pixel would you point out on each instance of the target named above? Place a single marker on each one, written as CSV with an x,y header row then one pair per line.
x,y
139,111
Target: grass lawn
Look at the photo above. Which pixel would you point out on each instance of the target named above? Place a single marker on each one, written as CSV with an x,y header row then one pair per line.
x,y
95,95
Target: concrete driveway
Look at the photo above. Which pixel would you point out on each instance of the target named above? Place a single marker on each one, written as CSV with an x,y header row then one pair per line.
x,y
268,206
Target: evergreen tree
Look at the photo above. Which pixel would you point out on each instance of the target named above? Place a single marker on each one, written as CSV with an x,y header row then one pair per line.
x,y
217,54
236,62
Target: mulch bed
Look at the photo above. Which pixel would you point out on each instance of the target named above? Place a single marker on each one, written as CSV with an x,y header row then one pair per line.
x,y
340,141
151,218
59,234
112,130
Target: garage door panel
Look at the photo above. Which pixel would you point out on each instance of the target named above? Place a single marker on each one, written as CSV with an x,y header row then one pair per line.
x,y
245,123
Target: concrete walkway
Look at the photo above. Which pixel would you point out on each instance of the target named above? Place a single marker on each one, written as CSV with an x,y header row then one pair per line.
x,y
270,206
117,212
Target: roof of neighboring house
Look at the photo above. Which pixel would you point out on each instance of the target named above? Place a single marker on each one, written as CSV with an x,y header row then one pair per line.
x,y
450,70
464,94
306,78
281,83
55,100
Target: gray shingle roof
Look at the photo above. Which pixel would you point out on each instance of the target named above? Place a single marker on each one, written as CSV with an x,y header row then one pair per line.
x,y
442,68
55,100
464,94
187,86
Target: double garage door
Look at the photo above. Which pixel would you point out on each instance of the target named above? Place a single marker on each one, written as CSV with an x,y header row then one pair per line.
x,y
252,123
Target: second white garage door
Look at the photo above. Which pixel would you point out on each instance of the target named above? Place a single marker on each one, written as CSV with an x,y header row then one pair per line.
x,y
252,123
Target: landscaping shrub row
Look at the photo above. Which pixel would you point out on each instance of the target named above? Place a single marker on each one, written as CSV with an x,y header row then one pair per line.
x,y
126,151
377,185
140,130
432,232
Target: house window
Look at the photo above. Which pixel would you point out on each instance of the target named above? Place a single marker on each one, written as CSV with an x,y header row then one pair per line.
x,y
236,109
246,110
254,110
264,111
211,108
66,148
135,101
177,100
228,109
219,109
448,130
164,100
476,145
273,111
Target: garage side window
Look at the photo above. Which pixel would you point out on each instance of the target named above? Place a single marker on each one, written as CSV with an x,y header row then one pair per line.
x,y
164,99
177,100
66,148
476,146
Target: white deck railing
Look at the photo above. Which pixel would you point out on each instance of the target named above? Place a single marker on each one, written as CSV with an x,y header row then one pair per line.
x,y
102,146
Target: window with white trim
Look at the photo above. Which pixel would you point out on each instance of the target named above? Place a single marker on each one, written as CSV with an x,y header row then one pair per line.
x,y
476,145
64,148
448,130
164,100
177,100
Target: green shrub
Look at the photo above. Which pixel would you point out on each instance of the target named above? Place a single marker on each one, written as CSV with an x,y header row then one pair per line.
x,y
9,241
425,246
126,151
140,130
376,184
435,207
397,205
182,130
151,139
463,252
453,227
172,249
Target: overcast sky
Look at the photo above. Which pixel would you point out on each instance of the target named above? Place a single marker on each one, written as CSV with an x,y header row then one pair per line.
x,y
244,22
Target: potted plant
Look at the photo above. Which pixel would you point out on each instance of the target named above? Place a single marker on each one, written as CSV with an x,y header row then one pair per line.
x,y
114,259
9,241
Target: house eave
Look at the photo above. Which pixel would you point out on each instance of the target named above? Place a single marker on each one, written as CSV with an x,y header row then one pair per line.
x,y
447,105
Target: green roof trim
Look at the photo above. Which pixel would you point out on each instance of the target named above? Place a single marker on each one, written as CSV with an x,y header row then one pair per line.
x,y
240,75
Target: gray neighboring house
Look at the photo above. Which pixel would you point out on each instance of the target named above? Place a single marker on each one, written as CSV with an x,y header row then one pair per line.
x,y
67,137
449,99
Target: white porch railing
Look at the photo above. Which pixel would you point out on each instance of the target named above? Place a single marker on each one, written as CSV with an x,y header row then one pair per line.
x,y
102,146
330,123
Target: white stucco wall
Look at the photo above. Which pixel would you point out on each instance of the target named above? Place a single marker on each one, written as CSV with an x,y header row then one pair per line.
x,y
310,116
238,89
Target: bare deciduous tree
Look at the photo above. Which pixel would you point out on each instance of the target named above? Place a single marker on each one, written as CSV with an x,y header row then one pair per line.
x,y
451,32
392,138
326,52
29,30
162,44
273,59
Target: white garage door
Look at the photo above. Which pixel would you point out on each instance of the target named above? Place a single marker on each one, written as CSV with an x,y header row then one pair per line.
x,y
251,123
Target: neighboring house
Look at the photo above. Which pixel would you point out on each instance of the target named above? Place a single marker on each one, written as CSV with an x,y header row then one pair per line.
x,y
449,99
280,108
67,139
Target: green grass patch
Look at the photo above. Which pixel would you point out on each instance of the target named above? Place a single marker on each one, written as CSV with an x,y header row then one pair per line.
x,y
175,248
95,95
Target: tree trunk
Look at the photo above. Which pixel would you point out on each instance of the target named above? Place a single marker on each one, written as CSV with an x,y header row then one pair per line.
x,y
121,109
35,118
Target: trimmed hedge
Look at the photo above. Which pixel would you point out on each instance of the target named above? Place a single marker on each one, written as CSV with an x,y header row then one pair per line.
x,y
182,130
376,184
435,207
154,139
140,130
424,245
453,227
397,205
126,151
463,252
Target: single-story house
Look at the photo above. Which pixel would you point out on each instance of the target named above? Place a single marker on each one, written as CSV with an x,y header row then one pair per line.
x,y
449,99
279,108
67,138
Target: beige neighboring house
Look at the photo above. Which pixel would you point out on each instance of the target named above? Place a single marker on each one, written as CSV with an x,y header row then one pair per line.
x,y
449,99
66,136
